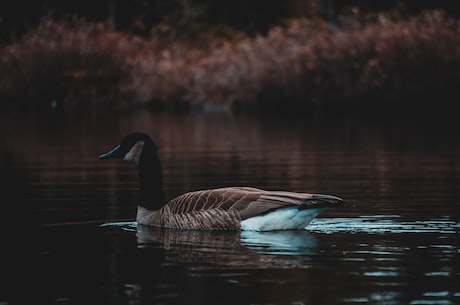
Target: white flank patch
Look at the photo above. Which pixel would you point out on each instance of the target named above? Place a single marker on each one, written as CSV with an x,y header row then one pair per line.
x,y
282,219
134,154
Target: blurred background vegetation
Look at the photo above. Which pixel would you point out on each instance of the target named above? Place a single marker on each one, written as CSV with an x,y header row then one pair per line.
x,y
192,17
258,54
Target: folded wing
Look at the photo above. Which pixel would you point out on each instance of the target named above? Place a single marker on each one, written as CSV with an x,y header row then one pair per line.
x,y
248,202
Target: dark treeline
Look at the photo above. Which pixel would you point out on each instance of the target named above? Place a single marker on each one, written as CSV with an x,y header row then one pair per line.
x,y
392,63
190,17
255,55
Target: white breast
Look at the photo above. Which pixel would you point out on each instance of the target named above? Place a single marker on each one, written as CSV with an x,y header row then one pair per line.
x,y
282,219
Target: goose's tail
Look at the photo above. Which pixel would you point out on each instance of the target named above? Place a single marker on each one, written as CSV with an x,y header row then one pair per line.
x,y
321,201
292,217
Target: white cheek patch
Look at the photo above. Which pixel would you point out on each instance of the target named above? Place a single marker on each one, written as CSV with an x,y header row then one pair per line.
x,y
134,154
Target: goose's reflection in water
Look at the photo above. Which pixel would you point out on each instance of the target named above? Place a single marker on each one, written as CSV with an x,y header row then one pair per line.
x,y
153,265
232,249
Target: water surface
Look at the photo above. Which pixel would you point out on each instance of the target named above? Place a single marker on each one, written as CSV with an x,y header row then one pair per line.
x,y
69,236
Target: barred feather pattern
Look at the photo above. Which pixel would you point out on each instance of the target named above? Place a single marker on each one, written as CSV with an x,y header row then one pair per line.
x,y
212,219
218,209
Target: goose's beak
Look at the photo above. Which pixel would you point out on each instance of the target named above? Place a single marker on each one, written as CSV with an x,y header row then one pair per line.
x,y
114,153
319,200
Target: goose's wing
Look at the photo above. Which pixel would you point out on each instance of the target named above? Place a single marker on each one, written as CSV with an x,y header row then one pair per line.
x,y
247,201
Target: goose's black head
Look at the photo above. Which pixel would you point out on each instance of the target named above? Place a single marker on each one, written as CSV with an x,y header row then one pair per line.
x,y
131,147
139,148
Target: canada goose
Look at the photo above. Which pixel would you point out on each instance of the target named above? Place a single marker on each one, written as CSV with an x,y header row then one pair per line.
x,y
230,208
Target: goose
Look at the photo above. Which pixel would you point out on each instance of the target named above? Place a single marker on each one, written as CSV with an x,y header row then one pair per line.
x,y
228,208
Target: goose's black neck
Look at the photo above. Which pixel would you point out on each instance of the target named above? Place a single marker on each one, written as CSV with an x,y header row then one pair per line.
x,y
152,195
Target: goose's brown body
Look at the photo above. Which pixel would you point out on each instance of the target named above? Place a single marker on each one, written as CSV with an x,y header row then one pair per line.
x,y
221,209
231,208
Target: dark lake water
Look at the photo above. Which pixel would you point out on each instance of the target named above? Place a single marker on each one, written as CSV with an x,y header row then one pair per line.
x,y
68,236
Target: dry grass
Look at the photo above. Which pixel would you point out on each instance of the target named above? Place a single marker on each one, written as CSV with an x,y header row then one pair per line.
x,y
85,64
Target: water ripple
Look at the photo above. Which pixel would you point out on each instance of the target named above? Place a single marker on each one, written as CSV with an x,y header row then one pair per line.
x,y
378,224
373,224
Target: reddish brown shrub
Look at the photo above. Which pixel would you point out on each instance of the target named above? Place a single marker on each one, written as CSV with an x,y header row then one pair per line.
x,y
390,61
